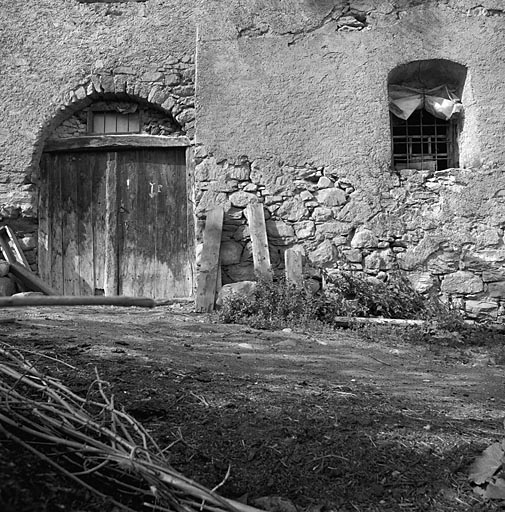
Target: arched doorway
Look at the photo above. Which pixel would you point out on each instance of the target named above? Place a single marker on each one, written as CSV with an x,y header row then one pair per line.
x,y
114,216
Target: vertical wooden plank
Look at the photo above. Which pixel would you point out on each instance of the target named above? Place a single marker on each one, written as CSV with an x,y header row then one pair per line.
x,y
190,221
129,217
44,229
294,267
111,285
173,262
55,216
209,261
84,212
259,240
70,177
99,221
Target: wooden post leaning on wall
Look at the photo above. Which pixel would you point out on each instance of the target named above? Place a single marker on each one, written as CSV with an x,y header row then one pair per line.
x,y
294,267
209,261
259,240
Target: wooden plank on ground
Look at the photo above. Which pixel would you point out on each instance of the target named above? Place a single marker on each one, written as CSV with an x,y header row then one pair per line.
x,y
259,240
294,267
209,261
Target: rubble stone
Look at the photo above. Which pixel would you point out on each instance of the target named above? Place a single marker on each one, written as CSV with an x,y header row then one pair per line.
x,y
462,282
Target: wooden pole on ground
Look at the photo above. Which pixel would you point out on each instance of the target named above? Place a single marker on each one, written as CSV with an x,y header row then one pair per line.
x,y
64,300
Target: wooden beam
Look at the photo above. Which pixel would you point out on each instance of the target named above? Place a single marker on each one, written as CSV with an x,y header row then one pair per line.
x,y
63,300
29,280
209,261
115,141
259,240
10,247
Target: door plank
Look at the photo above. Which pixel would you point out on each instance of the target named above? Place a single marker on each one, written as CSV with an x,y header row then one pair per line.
x,y
111,278
98,213
209,261
55,219
84,213
259,240
174,268
44,232
70,226
128,195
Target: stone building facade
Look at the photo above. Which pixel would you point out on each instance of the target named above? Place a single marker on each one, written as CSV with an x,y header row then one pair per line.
x,y
287,103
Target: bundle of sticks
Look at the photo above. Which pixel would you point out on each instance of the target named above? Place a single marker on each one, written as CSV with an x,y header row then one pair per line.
x,y
94,443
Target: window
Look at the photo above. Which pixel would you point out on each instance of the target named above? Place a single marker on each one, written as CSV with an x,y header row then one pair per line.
x,y
110,121
423,141
426,114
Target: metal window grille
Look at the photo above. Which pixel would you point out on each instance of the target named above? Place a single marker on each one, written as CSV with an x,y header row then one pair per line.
x,y
422,142
115,122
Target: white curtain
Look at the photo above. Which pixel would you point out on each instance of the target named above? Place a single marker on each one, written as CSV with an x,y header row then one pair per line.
x,y
440,101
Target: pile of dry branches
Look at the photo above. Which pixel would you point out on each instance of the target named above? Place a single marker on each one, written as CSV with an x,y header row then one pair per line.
x,y
93,443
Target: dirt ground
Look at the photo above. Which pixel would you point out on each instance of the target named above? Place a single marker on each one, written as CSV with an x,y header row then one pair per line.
x,y
333,420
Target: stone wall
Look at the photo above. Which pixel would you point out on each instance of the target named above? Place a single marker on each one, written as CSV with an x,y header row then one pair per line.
x,y
290,110
293,112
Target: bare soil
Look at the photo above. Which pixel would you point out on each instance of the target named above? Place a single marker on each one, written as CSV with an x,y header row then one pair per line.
x,y
341,420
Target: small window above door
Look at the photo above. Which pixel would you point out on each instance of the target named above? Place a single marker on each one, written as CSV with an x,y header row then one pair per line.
x,y
111,121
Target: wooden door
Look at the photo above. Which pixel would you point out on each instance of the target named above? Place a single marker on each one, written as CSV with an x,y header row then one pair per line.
x,y
116,222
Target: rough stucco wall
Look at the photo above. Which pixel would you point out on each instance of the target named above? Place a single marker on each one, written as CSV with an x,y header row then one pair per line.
x,y
273,87
292,111
48,50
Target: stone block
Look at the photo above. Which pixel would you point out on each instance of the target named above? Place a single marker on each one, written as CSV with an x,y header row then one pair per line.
x,y
241,199
324,182
324,255
322,214
152,76
333,228
331,197
380,260
241,288
490,276
462,283
364,239
7,287
305,229
496,289
353,255
279,229
292,210
4,268
421,281
480,308
230,253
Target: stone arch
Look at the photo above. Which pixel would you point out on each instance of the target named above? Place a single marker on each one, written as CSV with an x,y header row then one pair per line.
x,y
429,73
171,92
427,132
